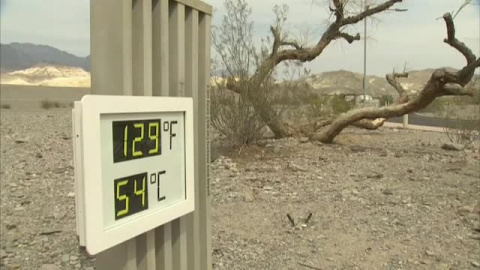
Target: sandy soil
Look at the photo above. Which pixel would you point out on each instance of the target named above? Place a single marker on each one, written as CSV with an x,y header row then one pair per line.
x,y
24,97
389,199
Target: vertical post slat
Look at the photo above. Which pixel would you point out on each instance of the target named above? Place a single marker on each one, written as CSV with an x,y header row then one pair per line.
x,y
163,246
127,47
160,44
151,256
177,49
142,47
131,254
179,250
141,249
146,251
177,85
204,145
142,86
111,65
191,90
163,242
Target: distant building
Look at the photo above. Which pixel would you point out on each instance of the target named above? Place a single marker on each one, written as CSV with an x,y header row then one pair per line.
x,y
358,98
361,98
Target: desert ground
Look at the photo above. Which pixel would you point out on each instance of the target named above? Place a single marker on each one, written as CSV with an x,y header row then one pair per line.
x,y
385,199
26,97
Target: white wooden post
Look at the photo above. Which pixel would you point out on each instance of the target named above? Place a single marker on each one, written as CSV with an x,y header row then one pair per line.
x,y
159,48
405,120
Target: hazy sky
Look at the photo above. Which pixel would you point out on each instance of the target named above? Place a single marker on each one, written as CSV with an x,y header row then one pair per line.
x,y
415,37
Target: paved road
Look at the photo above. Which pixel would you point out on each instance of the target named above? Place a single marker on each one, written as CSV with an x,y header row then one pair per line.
x,y
420,120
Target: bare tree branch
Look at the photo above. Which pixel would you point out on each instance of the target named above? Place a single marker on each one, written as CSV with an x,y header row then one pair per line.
x,y
392,80
369,124
466,3
454,89
403,98
454,42
276,40
465,75
369,12
349,38
308,54
291,43
441,83
398,9
339,9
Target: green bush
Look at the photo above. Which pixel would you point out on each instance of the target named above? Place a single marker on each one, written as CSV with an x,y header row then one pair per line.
x,y
48,104
327,105
386,100
339,105
317,106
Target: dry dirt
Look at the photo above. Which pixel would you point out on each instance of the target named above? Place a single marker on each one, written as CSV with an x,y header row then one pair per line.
x,y
388,199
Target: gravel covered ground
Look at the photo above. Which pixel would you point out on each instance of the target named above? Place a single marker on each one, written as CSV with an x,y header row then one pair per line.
x,y
37,199
388,199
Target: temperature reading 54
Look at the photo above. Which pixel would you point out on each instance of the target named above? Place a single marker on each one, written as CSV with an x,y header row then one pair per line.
x,y
131,195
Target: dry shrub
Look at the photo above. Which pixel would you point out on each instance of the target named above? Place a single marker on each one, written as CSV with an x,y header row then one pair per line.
x,y
462,128
48,104
234,117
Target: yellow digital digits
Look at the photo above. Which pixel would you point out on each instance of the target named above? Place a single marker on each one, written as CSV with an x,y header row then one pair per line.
x,y
140,192
125,140
138,142
129,186
138,139
123,197
153,137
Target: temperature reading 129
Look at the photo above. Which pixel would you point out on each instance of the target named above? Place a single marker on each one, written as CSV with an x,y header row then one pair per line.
x,y
140,138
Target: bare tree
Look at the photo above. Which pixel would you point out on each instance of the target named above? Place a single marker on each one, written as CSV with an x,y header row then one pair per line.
x,y
250,70
253,80
441,83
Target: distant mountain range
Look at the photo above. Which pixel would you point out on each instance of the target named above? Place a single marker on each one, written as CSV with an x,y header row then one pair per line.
x,y
31,64
19,56
351,83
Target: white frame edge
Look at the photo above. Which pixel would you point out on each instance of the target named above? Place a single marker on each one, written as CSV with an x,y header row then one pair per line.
x,y
96,238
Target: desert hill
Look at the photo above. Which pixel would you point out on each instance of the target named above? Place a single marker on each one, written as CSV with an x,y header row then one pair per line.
x,y
19,56
351,83
348,83
326,83
31,64
48,75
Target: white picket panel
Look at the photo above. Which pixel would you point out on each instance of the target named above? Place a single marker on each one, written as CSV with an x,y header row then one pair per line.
x,y
159,48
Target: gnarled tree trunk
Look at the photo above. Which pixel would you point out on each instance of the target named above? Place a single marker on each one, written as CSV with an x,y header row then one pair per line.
x,y
441,83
